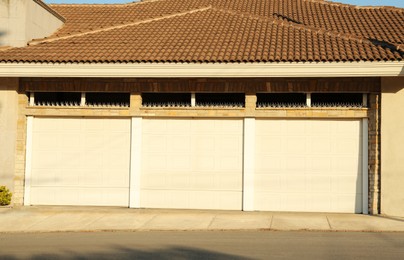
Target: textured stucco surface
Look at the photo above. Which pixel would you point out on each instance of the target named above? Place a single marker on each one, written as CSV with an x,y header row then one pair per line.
x,y
24,20
392,145
8,127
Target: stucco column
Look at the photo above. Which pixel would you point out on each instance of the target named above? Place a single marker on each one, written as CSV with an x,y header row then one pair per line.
x,y
248,164
135,162
392,143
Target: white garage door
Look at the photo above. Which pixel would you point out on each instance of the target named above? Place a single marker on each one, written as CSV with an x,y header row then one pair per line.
x,y
308,165
78,161
191,163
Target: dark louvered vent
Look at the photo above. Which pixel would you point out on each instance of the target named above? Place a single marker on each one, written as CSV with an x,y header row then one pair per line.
x,y
166,100
103,99
347,100
220,100
281,100
57,98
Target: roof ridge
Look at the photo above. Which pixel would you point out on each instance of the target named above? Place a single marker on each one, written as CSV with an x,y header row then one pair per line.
x,y
328,2
112,5
201,9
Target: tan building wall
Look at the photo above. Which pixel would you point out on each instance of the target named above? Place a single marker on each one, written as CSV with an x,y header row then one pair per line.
x,y
8,128
392,147
24,20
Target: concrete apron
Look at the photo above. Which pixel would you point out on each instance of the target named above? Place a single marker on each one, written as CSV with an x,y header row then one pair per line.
x,y
74,219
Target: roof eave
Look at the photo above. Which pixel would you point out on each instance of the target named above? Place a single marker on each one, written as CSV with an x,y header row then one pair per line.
x,y
215,70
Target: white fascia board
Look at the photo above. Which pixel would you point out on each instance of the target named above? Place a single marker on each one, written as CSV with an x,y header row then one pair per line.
x,y
183,70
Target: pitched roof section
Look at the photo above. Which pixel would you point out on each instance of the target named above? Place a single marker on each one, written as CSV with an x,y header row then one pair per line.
x,y
83,18
220,31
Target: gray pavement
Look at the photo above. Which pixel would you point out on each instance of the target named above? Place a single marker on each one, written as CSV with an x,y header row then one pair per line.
x,y
74,219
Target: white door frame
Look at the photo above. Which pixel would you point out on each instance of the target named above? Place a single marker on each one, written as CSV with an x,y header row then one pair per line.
x,y
365,167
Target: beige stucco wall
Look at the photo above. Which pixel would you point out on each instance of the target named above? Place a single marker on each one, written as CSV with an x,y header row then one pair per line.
x,y
392,146
8,128
24,20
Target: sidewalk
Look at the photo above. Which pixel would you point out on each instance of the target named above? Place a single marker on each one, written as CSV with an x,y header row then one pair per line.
x,y
57,219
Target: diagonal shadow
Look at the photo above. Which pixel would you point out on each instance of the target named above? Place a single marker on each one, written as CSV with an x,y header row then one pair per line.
x,y
130,253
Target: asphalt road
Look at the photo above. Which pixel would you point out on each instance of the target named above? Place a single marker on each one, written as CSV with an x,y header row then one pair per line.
x,y
203,245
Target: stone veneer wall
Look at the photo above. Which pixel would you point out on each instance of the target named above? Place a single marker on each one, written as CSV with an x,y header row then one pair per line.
x,y
19,177
374,153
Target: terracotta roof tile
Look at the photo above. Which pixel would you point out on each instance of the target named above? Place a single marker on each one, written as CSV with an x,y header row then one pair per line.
x,y
220,31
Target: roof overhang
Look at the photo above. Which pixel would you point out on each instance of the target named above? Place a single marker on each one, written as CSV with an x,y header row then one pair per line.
x,y
222,70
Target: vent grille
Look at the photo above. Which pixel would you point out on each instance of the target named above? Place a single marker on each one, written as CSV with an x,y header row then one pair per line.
x,y
220,100
166,100
107,99
57,99
281,100
338,100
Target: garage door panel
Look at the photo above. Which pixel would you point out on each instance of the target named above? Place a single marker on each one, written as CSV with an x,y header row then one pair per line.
x,y
92,156
204,144
296,201
203,127
229,163
79,197
347,203
43,159
269,146
317,167
295,145
45,176
201,157
348,146
320,202
293,183
344,128
319,145
46,125
267,182
204,163
320,165
318,127
178,126
191,199
80,169
156,143
203,181
179,143
293,126
155,163
346,184
154,180
227,182
349,164
319,184
293,163
268,164
90,177
179,161
179,181
268,201
68,177
46,142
